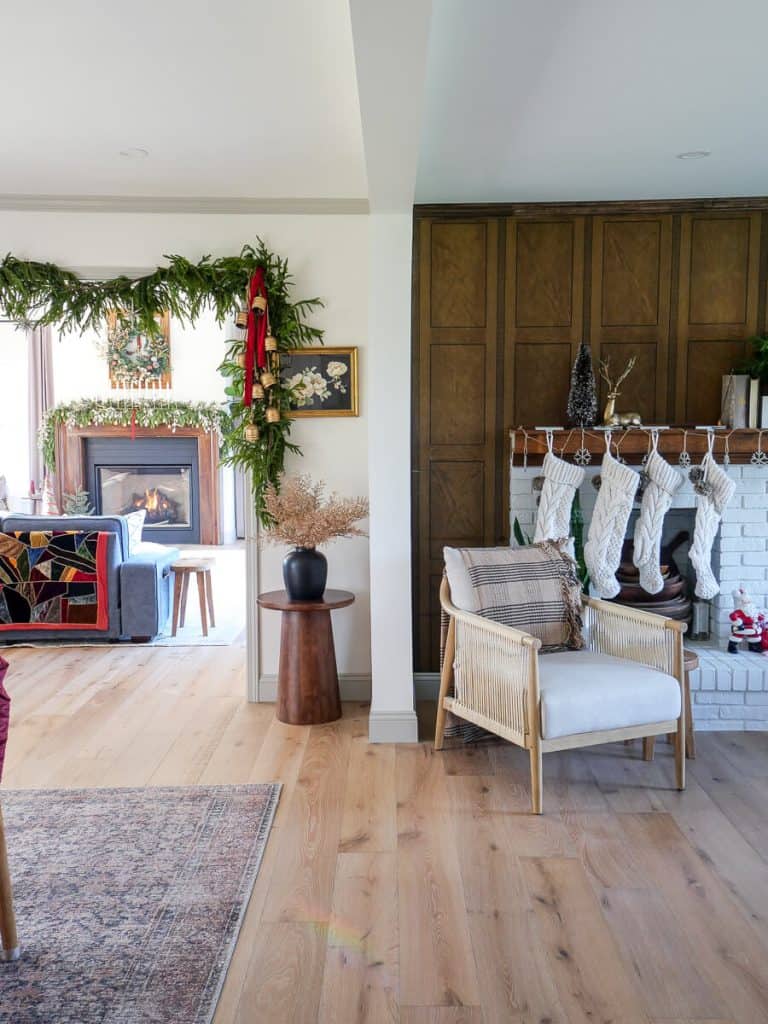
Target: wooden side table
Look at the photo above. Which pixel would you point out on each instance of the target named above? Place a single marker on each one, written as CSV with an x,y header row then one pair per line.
x,y
690,663
183,569
307,682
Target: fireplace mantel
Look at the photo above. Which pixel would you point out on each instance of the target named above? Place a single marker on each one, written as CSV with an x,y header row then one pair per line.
x,y
634,443
71,464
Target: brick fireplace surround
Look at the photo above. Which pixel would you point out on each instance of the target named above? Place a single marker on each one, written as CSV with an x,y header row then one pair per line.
x,y
729,691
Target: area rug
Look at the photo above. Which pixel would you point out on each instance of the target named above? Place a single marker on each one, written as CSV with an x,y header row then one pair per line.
x,y
129,901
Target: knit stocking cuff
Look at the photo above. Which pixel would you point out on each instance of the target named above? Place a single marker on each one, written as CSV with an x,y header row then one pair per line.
x,y
722,485
616,473
665,477
561,472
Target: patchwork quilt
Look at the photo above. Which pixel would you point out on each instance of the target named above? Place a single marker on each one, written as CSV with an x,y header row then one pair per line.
x,y
53,580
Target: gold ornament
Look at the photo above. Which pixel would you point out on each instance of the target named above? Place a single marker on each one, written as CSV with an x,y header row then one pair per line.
x,y
270,343
251,432
611,418
268,379
273,415
257,391
259,305
241,360
241,320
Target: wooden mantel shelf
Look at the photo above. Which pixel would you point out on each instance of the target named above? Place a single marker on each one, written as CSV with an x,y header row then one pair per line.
x,y
634,443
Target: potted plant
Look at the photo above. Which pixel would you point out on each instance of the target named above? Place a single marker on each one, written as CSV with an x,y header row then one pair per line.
x,y
300,515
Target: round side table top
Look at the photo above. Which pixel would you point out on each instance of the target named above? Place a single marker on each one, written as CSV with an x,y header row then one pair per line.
x,y
690,660
193,564
279,601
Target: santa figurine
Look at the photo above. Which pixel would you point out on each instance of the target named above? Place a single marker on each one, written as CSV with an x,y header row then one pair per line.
x,y
747,622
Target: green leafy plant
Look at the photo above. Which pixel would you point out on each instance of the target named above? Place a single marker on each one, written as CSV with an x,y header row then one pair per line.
x,y
757,364
577,532
523,539
77,503
37,294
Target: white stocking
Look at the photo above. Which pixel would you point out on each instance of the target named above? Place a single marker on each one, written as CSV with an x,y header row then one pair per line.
x,y
709,511
553,520
663,481
602,552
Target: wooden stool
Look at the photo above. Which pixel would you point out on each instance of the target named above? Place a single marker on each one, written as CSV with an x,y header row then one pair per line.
x,y
183,569
308,683
690,663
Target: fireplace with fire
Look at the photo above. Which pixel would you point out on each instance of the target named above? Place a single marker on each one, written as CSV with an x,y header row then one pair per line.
x,y
158,475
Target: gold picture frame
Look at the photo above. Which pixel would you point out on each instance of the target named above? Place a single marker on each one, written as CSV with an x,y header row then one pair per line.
x,y
324,393
120,341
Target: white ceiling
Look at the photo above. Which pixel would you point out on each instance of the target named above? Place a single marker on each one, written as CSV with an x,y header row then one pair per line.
x,y
232,98
591,99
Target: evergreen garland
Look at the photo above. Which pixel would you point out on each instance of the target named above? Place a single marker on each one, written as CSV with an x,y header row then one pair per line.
x,y
38,294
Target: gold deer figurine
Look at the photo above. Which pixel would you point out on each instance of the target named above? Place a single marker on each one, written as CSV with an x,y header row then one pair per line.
x,y
610,417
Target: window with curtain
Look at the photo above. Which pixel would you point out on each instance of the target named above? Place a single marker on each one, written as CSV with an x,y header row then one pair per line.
x,y
14,411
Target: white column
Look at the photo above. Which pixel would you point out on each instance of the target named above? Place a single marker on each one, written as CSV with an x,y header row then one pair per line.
x,y
253,659
388,393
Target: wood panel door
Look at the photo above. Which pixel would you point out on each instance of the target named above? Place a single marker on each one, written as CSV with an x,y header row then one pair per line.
x,y
544,319
631,286
717,306
455,378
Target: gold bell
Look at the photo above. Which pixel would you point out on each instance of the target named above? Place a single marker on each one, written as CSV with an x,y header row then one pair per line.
x,y
241,360
268,379
270,343
241,320
251,432
259,305
257,391
273,415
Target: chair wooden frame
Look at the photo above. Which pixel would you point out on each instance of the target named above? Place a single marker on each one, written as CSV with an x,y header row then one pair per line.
x,y
497,685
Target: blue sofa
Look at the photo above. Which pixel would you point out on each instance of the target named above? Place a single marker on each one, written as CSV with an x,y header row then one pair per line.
x,y
140,583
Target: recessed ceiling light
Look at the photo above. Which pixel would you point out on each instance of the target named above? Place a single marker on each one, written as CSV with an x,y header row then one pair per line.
x,y
134,153
694,154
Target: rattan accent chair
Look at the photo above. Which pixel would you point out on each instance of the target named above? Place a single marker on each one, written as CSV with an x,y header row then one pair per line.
x,y
494,677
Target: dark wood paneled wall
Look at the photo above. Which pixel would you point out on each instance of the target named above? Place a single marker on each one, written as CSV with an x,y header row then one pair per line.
x,y
503,295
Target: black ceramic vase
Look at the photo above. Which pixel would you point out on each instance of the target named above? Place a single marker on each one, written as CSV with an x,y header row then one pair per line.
x,y
305,571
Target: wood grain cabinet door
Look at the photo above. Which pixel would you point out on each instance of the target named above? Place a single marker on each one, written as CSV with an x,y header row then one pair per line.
x,y
717,308
455,432
629,314
544,295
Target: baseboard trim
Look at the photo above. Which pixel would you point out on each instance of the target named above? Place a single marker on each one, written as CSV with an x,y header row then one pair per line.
x,y
393,727
352,687
426,685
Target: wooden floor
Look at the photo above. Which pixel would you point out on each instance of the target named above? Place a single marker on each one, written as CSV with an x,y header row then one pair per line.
x,y
403,885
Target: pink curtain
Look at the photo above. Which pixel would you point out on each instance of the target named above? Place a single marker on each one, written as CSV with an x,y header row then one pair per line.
x,y
40,377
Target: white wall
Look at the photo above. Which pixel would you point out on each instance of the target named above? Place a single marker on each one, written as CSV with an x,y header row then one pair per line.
x,y
14,446
328,256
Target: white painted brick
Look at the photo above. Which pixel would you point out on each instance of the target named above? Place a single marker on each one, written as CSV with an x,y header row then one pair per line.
x,y
754,713
754,485
757,698
752,572
719,725
754,726
756,529
728,558
730,529
707,678
753,558
519,485
742,544
755,500
701,712
723,681
722,698
748,516
739,678
755,679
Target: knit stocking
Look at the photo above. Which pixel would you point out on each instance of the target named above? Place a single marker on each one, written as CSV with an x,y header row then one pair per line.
x,y
709,510
602,552
553,520
663,481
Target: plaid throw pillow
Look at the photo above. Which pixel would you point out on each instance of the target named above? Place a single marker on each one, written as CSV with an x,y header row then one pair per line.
x,y
533,588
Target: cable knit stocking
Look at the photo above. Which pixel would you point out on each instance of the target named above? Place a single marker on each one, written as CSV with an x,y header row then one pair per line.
x,y
709,510
602,552
663,481
553,520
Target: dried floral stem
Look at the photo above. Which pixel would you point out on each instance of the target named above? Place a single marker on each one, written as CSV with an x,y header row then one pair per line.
x,y
302,516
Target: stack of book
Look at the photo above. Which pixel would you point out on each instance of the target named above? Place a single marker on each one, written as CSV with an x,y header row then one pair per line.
x,y
743,402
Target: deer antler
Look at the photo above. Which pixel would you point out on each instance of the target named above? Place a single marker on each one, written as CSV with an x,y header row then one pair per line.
x,y
627,370
605,366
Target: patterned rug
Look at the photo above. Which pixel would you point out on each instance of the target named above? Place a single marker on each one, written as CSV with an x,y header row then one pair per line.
x,y
129,901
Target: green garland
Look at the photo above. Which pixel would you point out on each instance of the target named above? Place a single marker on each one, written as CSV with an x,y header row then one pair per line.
x,y
120,412
43,294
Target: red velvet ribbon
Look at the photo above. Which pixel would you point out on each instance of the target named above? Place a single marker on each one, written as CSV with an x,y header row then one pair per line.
x,y
255,350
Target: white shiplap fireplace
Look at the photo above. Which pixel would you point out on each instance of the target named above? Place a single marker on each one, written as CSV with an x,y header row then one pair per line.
x,y
729,691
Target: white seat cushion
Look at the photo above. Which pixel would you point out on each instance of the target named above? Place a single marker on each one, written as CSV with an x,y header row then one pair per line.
x,y
582,691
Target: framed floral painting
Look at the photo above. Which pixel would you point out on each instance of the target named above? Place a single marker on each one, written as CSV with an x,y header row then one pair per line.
x,y
136,361
322,381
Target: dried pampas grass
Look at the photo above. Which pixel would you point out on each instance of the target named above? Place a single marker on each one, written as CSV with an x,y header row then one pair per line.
x,y
302,516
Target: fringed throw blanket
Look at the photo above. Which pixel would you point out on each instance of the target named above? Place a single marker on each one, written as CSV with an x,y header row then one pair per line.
x,y
534,588
53,580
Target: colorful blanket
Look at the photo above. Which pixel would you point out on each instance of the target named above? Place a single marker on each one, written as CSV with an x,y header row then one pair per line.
x,y
53,580
5,713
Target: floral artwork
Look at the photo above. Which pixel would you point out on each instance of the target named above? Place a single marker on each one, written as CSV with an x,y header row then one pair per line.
x,y
322,381
137,360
